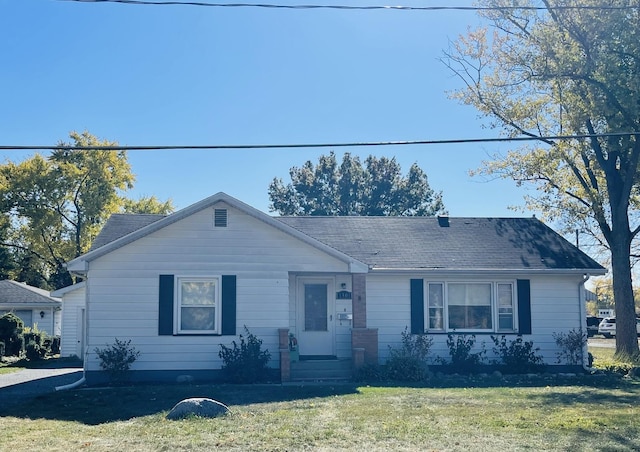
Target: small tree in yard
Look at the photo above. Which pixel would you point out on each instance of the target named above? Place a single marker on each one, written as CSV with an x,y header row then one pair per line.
x,y
245,362
571,346
117,359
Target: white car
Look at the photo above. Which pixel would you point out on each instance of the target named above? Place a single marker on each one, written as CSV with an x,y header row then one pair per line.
x,y
608,327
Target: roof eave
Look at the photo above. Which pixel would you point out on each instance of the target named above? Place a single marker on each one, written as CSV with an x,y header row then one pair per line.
x,y
32,304
60,292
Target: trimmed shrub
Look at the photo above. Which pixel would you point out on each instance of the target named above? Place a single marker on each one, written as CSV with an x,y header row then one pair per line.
x,y
10,324
33,334
15,346
40,338
462,359
116,359
371,373
33,351
517,356
245,362
408,362
11,327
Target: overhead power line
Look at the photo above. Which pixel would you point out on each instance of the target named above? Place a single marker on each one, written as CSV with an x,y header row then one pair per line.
x,y
360,8
315,145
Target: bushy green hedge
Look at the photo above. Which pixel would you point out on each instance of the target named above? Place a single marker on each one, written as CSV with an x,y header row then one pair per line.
x,y
517,356
462,358
11,327
405,363
245,362
117,359
14,335
34,351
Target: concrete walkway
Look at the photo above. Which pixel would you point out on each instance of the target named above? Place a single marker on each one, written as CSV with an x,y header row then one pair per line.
x,y
16,387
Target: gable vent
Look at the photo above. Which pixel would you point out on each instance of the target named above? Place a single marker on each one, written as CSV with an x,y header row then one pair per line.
x,y
220,218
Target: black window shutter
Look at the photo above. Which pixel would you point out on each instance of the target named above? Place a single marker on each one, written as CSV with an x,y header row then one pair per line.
x,y
524,306
229,305
417,306
165,309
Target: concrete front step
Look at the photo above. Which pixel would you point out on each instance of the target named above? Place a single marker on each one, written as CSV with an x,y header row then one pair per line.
x,y
322,369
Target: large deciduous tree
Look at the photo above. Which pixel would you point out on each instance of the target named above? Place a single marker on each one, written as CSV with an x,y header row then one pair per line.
x,y
377,188
545,68
57,204
147,204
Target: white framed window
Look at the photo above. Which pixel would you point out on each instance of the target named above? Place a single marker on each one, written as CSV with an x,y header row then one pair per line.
x,y
198,305
473,306
435,309
506,311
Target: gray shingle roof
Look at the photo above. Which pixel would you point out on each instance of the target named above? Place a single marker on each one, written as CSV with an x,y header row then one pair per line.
x,y
120,224
420,242
15,293
451,243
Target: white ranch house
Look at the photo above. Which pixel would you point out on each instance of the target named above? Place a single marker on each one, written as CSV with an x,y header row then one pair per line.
x,y
180,285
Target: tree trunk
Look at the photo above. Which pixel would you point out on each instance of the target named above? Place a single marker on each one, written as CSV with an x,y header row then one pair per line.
x,y
626,336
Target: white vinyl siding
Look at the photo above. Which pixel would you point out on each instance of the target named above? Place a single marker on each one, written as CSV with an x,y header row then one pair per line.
x,y
123,287
555,308
72,334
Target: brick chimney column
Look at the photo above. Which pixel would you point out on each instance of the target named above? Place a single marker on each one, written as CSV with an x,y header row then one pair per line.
x,y
364,341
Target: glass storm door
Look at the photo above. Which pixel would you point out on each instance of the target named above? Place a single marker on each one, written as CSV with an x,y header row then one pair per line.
x,y
315,317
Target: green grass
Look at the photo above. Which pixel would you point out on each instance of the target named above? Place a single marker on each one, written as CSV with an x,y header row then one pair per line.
x,y
10,364
13,364
602,353
604,359
513,413
9,369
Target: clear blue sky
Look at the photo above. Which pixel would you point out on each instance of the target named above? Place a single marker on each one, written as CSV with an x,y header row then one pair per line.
x,y
185,75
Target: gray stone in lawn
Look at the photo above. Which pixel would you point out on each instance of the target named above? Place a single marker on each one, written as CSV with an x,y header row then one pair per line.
x,y
202,407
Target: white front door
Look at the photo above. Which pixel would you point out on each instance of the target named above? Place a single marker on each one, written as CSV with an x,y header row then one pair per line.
x,y
316,301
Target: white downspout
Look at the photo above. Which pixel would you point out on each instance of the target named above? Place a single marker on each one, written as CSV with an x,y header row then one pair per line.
x,y
583,321
73,385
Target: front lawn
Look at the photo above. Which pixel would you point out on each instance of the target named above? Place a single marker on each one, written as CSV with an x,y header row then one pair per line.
x,y
510,413
9,369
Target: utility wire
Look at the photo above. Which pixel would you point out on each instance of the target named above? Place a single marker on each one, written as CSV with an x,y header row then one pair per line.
x,y
314,145
360,8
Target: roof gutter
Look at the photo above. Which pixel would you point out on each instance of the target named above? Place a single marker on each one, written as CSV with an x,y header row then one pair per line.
x,y
484,271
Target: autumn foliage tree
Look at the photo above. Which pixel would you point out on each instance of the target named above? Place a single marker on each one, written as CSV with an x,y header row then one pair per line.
x,y
545,68
55,205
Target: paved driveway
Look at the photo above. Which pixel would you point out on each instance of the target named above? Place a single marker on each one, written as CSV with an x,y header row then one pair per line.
x,y
603,342
29,383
